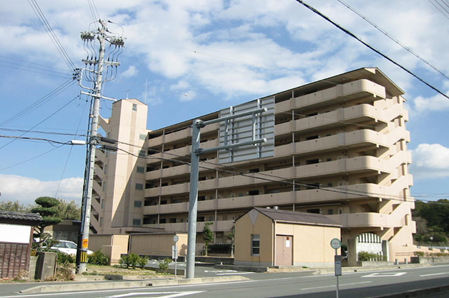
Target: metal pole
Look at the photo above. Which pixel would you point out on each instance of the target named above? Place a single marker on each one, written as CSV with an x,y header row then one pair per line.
x,y
338,286
88,184
193,199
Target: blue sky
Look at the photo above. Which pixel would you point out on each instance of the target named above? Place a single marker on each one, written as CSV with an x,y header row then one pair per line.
x,y
192,57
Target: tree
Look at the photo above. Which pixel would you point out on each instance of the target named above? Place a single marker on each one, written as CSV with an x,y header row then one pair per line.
x,y
431,221
47,209
230,235
68,210
14,207
208,235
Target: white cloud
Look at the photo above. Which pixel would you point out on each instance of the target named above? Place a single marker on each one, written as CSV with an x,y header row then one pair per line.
x,y
434,103
26,190
430,161
130,72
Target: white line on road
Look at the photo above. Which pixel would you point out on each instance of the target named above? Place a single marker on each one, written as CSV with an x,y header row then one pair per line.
x,y
385,274
236,273
164,294
333,286
433,274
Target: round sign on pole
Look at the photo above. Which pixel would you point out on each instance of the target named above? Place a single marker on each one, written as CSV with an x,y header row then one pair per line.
x,y
335,243
175,238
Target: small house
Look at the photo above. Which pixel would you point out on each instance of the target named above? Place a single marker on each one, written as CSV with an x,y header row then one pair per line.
x,y
273,237
16,237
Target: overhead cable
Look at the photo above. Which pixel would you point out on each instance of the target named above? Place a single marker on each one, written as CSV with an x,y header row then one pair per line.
x,y
393,39
371,47
51,33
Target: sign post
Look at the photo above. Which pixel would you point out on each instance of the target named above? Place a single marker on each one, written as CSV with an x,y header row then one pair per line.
x,y
336,244
175,253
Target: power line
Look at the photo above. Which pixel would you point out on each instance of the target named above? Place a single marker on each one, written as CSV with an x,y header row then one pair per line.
x,y
440,8
44,132
93,10
35,68
70,153
42,120
30,159
51,33
393,39
38,103
371,47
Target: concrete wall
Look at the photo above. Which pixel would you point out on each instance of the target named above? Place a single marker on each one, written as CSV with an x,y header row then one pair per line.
x,y
111,245
157,244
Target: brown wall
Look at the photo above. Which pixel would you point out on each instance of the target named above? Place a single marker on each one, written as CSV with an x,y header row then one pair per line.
x,y
157,244
111,245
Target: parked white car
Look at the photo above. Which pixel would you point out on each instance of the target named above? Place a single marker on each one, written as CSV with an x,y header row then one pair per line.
x,y
68,247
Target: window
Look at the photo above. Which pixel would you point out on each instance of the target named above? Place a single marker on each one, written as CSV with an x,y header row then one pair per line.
x,y
142,153
136,222
106,169
134,107
104,186
255,245
312,137
142,136
139,186
140,170
138,204
312,161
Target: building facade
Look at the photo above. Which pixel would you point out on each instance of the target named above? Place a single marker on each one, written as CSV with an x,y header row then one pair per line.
x,y
340,149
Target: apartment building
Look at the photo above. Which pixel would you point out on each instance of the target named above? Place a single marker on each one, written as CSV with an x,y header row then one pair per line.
x,y
340,149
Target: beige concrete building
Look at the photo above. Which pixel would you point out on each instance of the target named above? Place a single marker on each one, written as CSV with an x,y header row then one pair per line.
x,y
271,237
340,149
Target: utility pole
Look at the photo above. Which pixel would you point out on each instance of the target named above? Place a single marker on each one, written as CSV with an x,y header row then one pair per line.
x,y
93,72
194,174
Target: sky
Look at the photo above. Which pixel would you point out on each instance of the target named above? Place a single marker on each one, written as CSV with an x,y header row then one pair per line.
x,y
187,58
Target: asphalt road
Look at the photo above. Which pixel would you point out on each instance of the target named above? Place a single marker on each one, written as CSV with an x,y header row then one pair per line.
x,y
354,285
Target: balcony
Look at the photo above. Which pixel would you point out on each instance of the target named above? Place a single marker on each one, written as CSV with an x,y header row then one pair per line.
x,y
357,89
219,226
168,190
355,114
341,141
365,220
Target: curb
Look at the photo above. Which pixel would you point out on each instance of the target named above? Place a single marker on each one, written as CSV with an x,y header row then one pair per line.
x,y
129,284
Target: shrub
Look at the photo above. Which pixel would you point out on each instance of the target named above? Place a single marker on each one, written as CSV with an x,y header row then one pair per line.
x,y
418,253
65,259
142,261
98,258
366,256
129,260
163,266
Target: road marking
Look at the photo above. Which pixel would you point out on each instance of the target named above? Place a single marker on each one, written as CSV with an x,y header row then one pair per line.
x,y
160,294
385,274
219,271
334,286
433,274
238,273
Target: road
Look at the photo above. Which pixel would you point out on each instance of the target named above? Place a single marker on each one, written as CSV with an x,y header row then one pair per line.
x,y
354,285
